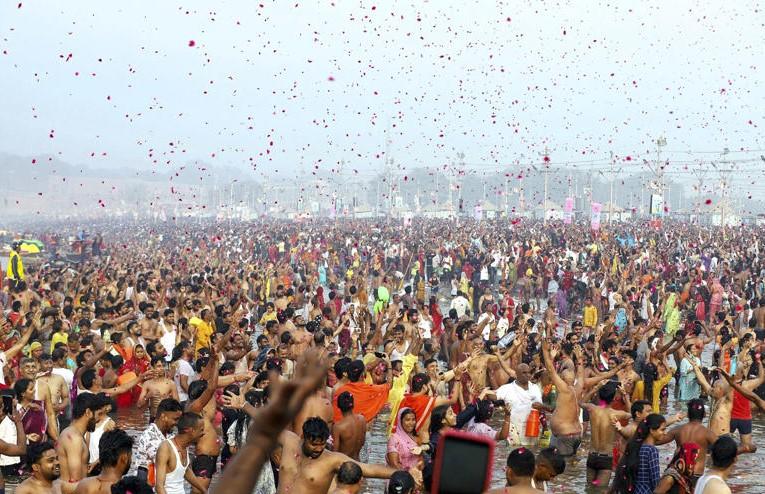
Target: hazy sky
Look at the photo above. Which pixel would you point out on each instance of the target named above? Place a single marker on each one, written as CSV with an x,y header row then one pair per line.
x,y
291,85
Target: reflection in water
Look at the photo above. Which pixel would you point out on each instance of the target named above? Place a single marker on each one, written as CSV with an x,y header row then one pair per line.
x,y
748,476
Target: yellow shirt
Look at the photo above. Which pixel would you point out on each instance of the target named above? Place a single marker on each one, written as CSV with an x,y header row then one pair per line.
x,y
590,316
639,392
204,333
267,317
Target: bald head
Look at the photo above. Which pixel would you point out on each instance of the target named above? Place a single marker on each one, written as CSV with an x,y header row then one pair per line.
x,y
522,374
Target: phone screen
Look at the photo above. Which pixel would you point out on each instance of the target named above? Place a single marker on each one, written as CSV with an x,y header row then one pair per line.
x,y
464,466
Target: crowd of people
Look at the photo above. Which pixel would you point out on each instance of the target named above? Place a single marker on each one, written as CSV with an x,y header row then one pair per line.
x,y
264,354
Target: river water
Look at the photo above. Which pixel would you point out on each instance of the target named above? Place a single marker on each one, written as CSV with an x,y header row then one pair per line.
x,y
748,475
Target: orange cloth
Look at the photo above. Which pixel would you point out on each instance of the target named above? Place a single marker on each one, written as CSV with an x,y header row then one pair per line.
x,y
422,406
368,399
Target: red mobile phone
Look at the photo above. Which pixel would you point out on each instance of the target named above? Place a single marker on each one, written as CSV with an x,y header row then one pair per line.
x,y
463,463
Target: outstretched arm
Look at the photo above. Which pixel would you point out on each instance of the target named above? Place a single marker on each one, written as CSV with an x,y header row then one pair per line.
x,y
286,401
747,393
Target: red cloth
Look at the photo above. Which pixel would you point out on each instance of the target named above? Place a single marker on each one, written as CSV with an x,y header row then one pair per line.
x,y
741,410
368,399
422,406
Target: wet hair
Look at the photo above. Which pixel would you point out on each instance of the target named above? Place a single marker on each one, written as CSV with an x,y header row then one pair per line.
x,y
485,409
200,364
81,356
355,370
88,378
131,485
723,451
401,482
83,403
349,473
419,381
117,361
345,402
179,349
627,471
156,359
638,406
168,405
521,462
650,374
20,387
255,398
607,392
552,457
696,409
112,444
341,366
188,421
437,417
58,354
315,429
35,451
196,389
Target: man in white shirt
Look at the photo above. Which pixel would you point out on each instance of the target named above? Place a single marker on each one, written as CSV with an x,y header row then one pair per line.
x,y
522,396
184,374
460,304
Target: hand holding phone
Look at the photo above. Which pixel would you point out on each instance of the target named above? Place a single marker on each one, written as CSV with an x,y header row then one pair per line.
x,y
463,463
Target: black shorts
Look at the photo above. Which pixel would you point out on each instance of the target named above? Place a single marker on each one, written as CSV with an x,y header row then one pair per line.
x,y
599,461
744,426
204,466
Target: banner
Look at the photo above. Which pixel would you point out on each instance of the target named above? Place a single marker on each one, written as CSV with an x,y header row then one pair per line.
x,y
478,212
595,218
657,205
568,210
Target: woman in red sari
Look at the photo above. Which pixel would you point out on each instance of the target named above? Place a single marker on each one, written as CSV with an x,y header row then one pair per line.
x,y
137,365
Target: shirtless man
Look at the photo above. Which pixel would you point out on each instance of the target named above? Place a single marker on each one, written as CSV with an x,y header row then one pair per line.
x,y
208,446
349,434
307,468
693,432
115,449
602,418
301,339
158,388
52,387
46,470
564,424
318,404
519,473
478,369
348,479
72,447
721,421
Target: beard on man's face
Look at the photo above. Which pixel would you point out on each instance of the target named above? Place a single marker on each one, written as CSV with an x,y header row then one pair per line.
x,y
92,424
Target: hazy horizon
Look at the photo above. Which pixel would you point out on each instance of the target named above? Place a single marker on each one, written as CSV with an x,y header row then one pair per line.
x,y
288,87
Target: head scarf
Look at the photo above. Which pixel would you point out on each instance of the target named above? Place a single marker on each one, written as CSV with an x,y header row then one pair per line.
x,y
403,438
